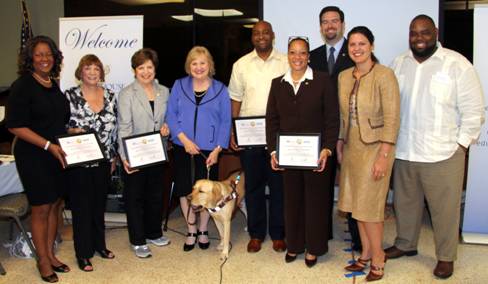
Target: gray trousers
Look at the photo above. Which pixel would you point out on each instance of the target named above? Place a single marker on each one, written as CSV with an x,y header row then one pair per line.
x,y
441,185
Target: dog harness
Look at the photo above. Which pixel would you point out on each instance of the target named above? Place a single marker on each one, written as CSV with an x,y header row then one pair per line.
x,y
233,195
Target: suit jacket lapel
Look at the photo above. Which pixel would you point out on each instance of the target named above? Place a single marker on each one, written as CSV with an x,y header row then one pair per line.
x,y
142,98
341,58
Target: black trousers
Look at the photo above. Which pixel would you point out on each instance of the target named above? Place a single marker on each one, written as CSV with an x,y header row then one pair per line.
x,y
256,165
306,202
143,197
88,196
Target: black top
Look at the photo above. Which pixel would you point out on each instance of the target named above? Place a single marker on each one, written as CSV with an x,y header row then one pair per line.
x,y
44,110
199,96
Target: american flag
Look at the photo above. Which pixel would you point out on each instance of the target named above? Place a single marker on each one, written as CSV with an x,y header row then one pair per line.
x,y
26,32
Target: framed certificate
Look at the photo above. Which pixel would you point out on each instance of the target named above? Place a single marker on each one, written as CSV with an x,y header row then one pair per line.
x,y
81,148
298,150
144,150
250,131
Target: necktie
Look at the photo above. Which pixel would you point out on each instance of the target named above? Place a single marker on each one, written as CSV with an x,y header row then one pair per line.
x,y
331,60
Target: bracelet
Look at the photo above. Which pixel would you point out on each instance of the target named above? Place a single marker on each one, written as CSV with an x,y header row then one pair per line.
x,y
47,145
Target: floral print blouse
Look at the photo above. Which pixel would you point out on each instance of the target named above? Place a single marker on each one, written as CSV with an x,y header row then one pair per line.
x,y
103,123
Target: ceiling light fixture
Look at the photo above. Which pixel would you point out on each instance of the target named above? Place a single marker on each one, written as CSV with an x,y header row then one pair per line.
x,y
218,12
184,18
146,2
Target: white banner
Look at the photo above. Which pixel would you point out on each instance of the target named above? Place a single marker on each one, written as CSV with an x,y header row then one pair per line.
x,y
475,222
113,39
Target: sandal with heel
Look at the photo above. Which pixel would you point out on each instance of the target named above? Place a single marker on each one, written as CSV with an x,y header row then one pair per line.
x,y
358,265
189,247
200,244
376,272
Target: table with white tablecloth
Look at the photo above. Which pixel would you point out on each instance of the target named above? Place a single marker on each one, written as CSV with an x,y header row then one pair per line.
x,y
9,178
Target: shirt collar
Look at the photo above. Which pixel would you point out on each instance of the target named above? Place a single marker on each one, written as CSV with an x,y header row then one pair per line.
x,y
254,55
337,46
307,76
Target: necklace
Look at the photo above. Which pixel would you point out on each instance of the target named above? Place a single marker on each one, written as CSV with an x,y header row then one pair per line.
x,y
40,79
200,95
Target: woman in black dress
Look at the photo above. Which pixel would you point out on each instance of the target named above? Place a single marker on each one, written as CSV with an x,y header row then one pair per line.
x,y
37,112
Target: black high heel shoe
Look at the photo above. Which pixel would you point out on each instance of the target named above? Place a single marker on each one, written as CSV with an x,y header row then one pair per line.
x,y
200,244
83,264
63,268
310,262
52,278
187,247
290,258
105,253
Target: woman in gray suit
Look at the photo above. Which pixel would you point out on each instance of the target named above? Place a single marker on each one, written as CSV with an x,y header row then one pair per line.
x,y
142,108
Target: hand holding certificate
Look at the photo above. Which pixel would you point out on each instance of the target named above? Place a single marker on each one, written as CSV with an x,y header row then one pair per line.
x,y
144,150
250,131
298,151
81,148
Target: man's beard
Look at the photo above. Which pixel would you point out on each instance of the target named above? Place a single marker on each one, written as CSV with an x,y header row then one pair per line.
x,y
426,53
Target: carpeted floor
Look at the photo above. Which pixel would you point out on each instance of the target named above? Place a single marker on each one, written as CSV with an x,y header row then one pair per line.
x,y
171,265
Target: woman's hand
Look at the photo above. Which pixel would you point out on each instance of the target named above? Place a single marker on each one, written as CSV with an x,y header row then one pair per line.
x,y
75,130
322,160
127,167
381,164
190,147
213,157
233,143
274,163
58,153
164,130
339,149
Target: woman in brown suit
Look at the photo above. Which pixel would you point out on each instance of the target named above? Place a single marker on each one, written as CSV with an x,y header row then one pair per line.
x,y
304,101
370,115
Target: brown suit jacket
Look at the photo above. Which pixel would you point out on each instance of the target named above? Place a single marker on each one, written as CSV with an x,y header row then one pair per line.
x,y
314,109
378,104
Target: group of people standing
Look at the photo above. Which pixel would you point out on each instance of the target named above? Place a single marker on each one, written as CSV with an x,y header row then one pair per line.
x,y
418,118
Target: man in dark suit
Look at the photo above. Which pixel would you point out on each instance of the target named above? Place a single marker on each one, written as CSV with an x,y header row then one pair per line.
x,y
332,58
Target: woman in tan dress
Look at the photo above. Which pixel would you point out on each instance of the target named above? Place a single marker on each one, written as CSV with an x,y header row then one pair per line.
x,y
369,106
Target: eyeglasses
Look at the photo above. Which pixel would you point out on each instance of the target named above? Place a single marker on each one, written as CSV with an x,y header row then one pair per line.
x,y
292,38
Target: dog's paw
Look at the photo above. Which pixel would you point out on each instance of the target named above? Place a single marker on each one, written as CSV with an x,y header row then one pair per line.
x,y
220,246
224,256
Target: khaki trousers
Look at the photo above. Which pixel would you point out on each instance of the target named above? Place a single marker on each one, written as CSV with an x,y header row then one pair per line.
x,y
440,184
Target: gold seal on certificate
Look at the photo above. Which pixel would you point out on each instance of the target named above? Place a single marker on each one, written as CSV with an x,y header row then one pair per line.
x,y
81,149
144,150
250,131
298,151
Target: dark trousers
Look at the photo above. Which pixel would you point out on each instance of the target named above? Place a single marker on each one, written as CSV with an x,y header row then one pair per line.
x,y
306,202
88,196
143,197
256,165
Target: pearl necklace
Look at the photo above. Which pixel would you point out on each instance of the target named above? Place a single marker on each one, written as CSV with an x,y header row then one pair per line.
x,y
40,79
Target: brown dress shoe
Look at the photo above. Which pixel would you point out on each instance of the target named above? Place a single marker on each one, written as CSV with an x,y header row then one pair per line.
x,y
394,252
279,245
444,269
254,245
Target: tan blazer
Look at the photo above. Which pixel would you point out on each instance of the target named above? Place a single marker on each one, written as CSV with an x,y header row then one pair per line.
x,y
378,104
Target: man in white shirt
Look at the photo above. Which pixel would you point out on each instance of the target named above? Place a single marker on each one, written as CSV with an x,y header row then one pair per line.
x,y
442,110
249,89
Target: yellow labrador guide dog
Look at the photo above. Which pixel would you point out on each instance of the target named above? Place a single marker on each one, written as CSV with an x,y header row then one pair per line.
x,y
220,199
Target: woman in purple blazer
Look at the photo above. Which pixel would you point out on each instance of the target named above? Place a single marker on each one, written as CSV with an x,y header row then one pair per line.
x,y
199,118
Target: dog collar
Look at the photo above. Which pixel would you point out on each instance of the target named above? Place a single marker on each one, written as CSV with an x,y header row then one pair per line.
x,y
223,202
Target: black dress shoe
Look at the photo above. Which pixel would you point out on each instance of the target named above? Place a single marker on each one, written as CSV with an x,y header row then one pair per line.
x,y
310,262
200,244
187,247
105,253
84,263
63,268
290,258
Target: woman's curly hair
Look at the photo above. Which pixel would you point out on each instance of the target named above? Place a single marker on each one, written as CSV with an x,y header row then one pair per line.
x,y
25,59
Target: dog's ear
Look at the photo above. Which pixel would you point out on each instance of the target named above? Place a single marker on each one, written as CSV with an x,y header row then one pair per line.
x,y
217,192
